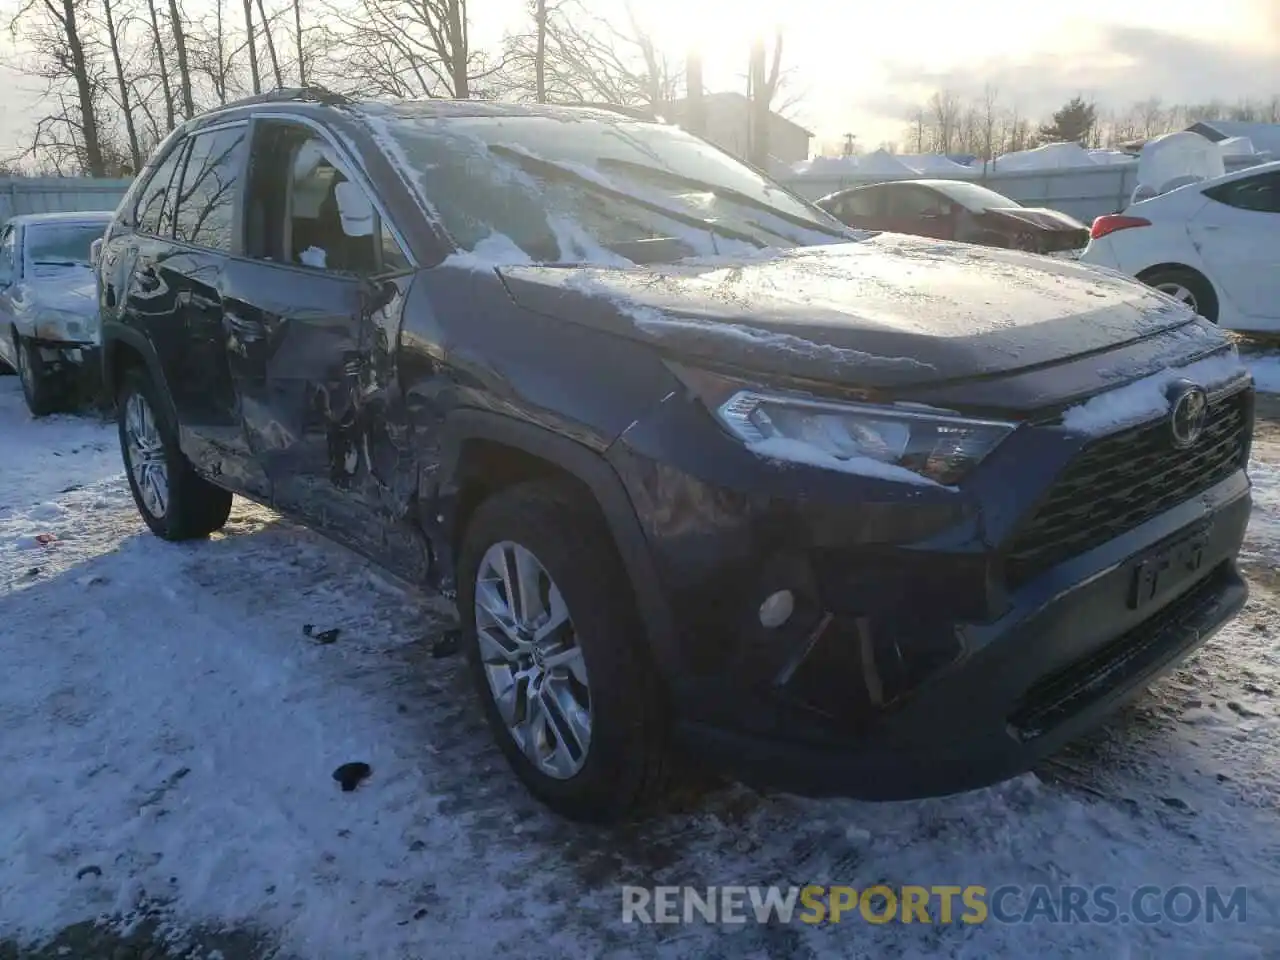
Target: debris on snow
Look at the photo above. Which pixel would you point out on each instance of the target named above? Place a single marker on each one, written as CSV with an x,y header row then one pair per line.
x,y
350,775
321,636
447,644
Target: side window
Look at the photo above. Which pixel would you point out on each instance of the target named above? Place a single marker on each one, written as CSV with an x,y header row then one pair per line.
x,y
910,201
8,258
154,212
1260,194
207,198
860,203
304,210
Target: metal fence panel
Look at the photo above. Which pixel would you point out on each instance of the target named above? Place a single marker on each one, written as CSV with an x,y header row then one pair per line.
x,y
58,194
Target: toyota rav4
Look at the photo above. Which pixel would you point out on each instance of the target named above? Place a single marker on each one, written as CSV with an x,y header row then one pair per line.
x,y
841,512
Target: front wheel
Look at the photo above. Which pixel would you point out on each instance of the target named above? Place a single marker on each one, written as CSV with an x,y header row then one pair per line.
x,y
175,501
557,656
40,387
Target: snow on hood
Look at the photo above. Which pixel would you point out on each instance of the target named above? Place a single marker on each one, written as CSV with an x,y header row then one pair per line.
x,y
888,310
1147,399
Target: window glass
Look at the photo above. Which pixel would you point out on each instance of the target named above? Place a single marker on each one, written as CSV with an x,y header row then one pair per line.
x,y
61,244
154,211
860,203
1260,194
7,240
916,202
206,201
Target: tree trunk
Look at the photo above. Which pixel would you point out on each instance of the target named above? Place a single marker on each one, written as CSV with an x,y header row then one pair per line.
x,y
457,14
126,107
271,46
84,92
184,72
164,67
253,49
297,33
540,56
220,72
696,113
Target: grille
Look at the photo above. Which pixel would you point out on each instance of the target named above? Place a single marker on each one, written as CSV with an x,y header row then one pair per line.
x,y
1122,480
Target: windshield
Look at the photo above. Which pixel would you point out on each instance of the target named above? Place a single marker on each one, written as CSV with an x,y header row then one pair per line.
x,y
589,187
973,197
61,244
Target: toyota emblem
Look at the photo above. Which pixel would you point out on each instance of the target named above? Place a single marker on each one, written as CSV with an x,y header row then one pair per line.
x,y
1190,406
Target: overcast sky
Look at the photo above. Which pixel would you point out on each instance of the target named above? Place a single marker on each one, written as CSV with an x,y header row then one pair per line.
x,y
859,65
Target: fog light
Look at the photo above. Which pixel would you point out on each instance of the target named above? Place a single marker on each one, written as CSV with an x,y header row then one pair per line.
x,y
777,608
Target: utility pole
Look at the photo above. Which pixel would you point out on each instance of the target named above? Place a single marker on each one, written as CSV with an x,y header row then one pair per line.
x,y
848,143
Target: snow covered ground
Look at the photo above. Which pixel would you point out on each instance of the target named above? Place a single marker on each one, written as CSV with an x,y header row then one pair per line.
x,y
168,731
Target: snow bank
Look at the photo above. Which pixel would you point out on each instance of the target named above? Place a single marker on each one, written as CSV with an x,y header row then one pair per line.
x,y
877,164
1145,399
936,165
1051,156
1236,147
1174,158
1265,368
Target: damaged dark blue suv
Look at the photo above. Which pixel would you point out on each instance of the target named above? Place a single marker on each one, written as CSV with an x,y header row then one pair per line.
x,y
850,513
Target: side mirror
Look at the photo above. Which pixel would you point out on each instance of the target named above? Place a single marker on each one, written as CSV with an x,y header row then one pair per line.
x,y
95,253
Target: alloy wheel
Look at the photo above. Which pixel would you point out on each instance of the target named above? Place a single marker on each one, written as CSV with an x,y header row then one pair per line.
x,y
536,672
1178,292
145,451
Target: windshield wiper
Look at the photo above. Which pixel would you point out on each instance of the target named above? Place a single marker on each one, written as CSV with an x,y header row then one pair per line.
x,y
727,193
59,263
553,170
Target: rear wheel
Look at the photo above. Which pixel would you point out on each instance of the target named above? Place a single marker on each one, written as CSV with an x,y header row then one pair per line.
x,y
175,501
557,656
1185,286
40,386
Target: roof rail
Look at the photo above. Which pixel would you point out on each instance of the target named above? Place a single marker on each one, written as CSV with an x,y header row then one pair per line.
x,y
311,94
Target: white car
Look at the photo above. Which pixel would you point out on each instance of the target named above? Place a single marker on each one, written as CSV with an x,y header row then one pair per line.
x,y
49,304
1214,245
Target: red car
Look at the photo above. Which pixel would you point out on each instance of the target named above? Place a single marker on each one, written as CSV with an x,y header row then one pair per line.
x,y
956,210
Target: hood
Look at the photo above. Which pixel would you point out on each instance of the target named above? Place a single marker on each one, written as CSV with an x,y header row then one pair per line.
x,y
72,289
1040,217
888,311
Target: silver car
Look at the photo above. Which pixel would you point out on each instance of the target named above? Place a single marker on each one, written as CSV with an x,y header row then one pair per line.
x,y
49,303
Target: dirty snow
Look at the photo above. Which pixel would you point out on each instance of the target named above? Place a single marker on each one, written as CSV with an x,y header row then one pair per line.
x,y
1145,399
1265,367
164,719
495,250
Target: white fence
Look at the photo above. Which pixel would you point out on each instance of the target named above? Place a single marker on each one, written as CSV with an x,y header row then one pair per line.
x,y
1084,193
58,194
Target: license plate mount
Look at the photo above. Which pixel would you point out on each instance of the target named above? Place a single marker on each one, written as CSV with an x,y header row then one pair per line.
x,y
1166,568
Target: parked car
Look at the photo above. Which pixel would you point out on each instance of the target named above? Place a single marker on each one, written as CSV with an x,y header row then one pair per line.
x,y
845,514
956,210
1214,245
48,305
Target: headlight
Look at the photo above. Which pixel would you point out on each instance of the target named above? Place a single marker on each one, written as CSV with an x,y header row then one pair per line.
x,y
897,444
61,325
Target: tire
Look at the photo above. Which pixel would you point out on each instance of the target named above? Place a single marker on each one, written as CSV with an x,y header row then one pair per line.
x,y
186,506
624,767
1186,285
40,388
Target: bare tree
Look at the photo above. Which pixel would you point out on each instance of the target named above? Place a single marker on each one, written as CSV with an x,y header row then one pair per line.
x,y
989,118
161,64
271,45
55,33
212,55
298,38
184,70
411,48
763,79
540,49
589,59
122,85
253,50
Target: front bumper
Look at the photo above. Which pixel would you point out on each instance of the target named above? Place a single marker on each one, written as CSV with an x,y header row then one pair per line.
x,y
913,665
